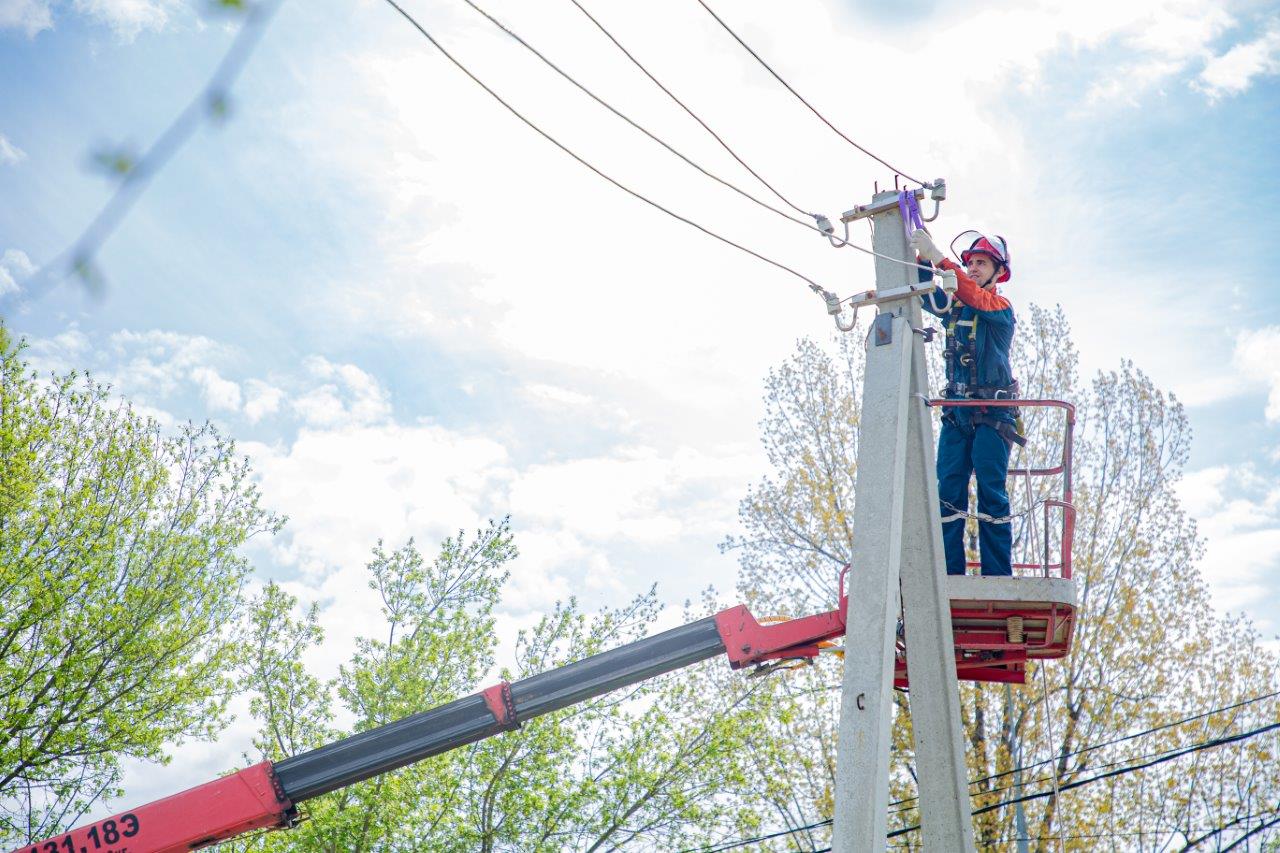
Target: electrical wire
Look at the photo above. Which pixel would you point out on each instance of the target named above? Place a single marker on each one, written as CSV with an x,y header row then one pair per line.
x,y
1162,755
602,102
1091,836
691,113
1254,831
800,97
1209,744
813,285
907,802
1134,834
1193,843
1241,704
608,106
1097,746
1127,768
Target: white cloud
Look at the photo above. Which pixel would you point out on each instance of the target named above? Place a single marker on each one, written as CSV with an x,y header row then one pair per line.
x,y
348,395
1233,71
261,399
219,394
1200,492
1161,41
61,353
554,395
158,363
129,17
637,495
159,369
1238,511
601,411
1257,357
10,153
153,366
548,558
1132,82
14,265
594,281
345,488
30,16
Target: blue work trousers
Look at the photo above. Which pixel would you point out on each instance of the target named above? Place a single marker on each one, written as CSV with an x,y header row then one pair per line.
x,y
964,450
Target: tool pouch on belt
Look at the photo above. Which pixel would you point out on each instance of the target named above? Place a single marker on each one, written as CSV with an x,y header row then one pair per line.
x,y
1010,431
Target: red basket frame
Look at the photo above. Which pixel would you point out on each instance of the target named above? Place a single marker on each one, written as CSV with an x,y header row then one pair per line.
x,y
1047,568
984,648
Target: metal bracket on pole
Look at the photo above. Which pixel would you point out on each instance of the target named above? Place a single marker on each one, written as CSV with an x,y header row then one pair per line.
x,y
937,191
896,294
882,203
883,330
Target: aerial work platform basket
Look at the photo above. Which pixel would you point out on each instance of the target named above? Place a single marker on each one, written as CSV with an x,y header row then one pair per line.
x,y
1000,623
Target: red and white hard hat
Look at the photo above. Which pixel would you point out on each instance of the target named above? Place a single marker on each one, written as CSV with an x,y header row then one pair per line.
x,y
994,246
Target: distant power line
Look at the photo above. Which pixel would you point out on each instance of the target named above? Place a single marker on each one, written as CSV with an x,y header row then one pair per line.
x,y
1122,770
1096,746
1208,744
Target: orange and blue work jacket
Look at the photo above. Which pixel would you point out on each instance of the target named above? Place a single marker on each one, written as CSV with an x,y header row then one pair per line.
x,y
979,330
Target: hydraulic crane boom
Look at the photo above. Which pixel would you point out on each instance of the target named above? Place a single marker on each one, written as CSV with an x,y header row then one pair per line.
x,y
267,794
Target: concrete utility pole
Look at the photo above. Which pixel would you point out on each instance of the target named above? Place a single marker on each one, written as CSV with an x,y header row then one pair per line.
x,y
898,557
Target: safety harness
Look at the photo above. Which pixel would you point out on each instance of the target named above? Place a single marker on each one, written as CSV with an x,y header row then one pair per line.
x,y
962,380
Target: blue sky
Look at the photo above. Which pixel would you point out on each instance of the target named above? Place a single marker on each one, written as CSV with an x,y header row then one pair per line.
x,y
415,314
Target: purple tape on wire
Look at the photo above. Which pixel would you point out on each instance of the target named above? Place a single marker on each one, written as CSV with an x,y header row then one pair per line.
x,y
910,211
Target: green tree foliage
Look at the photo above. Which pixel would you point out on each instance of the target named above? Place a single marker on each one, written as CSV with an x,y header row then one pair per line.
x,y
651,766
119,570
1148,647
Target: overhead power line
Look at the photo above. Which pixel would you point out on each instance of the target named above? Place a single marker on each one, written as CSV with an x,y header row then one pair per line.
x,y
813,285
1192,843
809,225
611,108
1250,833
1128,768
1148,833
743,842
602,102
801,98
691,113
1208,744
1097,746
1093,747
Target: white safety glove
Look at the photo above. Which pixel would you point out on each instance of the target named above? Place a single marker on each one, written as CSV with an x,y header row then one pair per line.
x,y
923,244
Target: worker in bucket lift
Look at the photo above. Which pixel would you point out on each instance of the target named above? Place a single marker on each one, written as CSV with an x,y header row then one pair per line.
x,y
975,441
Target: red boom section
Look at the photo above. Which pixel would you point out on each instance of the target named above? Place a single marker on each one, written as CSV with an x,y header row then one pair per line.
x,y
215,811
748,642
